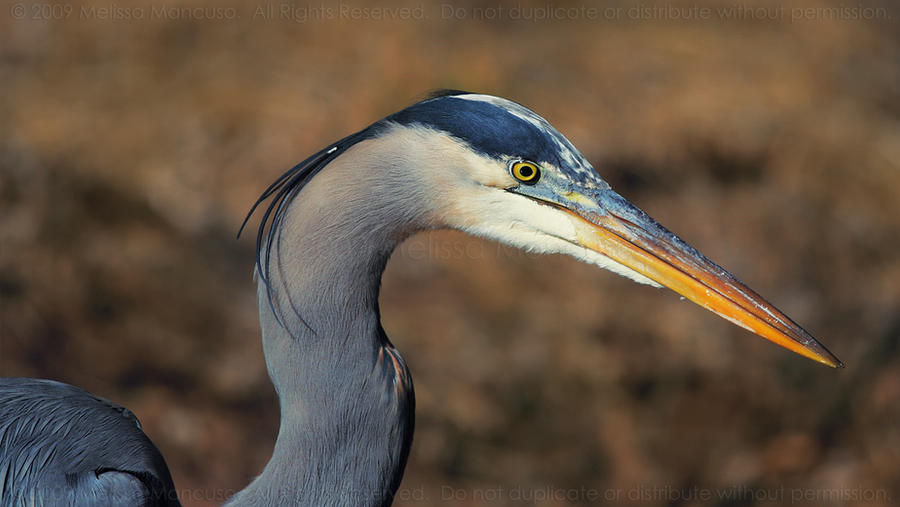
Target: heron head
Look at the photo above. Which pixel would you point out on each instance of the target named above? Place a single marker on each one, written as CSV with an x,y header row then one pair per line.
x,y
516,179
491,167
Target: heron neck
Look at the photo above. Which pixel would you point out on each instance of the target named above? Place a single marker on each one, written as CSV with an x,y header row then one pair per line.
x,y
345,393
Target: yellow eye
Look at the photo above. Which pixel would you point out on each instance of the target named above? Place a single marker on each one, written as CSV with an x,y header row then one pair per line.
x,y
526,172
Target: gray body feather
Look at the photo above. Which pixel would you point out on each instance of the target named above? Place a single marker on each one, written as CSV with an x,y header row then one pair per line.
x,y
60,445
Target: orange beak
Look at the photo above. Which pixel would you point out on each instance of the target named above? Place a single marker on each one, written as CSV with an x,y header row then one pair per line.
x,y
609,224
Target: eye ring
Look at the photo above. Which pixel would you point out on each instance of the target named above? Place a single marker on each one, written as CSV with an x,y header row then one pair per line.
x,y
526,172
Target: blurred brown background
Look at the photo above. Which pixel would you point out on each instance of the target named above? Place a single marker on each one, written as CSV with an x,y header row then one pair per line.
x,y
770,139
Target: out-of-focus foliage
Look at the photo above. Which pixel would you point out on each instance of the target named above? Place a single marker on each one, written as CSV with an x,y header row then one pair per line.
x,y
131,149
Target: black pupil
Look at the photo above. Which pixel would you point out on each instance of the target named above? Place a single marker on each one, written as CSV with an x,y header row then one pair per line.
x,y
526,171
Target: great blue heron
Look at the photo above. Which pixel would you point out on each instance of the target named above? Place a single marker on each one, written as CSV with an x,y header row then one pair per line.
x,y
477,163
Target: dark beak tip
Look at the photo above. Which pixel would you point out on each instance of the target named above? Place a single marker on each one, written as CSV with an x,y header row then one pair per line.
x,y
836,363
833,361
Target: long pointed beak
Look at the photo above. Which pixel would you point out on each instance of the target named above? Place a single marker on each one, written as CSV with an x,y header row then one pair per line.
x,y
609,224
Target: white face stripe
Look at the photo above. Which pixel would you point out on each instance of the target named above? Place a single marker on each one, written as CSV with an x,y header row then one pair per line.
x,y
472,199
520,222
570,156
531,239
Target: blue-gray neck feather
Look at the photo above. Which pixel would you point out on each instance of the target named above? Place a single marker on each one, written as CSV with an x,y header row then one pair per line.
x,y
346,396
